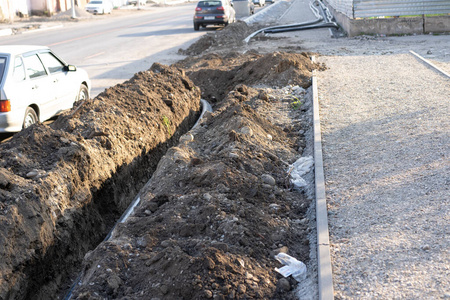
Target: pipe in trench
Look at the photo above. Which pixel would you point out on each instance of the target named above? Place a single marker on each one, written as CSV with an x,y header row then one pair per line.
x,y
323,15
206,107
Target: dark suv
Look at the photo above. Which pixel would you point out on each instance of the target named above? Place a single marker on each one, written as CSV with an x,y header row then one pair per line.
x,y
213,12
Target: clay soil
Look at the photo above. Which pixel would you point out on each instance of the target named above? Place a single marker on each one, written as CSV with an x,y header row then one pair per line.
x,y
211,217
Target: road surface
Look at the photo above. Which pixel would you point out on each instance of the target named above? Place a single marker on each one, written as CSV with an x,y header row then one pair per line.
x,y
112,49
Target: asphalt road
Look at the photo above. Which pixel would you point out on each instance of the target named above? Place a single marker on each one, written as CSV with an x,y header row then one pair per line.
x,y
112,49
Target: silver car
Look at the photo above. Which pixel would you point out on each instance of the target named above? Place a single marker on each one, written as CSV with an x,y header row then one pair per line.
x,y
36,85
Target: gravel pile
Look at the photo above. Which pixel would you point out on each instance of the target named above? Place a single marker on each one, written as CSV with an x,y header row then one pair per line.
x,y
385,127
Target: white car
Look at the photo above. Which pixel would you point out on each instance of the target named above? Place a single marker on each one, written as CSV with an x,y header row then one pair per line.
x,y
99,7
36,85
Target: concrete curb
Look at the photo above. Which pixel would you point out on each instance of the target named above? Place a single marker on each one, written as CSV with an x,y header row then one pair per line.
x,y
430,63
42,29
323,241
8,31
261,12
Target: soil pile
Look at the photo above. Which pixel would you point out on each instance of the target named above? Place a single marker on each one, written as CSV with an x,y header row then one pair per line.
x,y
63,186
217,209
218,74
231,36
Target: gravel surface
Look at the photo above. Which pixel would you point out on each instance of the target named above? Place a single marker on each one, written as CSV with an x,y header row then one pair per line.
x,y
386,140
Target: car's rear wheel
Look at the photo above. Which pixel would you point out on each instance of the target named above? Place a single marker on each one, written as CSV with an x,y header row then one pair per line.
x,y
196,26
30,117
83,94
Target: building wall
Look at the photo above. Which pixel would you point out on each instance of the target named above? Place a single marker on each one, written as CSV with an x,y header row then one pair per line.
x,y
391,26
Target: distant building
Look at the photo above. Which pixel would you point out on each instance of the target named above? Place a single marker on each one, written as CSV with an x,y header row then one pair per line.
x,y
13,9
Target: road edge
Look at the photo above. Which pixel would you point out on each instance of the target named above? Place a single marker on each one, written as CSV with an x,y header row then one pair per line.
x,y
429,63
323,242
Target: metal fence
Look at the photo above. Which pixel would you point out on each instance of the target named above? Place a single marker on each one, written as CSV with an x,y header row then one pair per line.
x,y
378,8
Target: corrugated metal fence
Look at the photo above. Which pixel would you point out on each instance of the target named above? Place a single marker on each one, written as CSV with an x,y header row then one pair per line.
x,y
378,8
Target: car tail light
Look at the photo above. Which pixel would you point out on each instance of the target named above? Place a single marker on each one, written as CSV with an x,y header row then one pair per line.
x,y
5,105
221,8
198,9
220,17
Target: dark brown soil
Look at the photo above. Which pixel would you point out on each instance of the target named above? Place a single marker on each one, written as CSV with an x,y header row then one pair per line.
x,y
209,222
63,186
217,74
218,208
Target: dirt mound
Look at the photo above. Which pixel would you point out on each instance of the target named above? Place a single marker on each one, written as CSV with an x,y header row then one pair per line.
x,y
217,74
217,209
62,186
79,13
232,35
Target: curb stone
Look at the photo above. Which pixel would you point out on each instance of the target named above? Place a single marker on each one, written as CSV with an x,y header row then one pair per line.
x,y
323,241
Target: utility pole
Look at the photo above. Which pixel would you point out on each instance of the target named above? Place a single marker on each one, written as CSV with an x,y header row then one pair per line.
x,y
74,16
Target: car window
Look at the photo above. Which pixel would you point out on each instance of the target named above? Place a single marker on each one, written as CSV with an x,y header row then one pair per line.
x,y
209,3
51,62
2,67
34,66
19,71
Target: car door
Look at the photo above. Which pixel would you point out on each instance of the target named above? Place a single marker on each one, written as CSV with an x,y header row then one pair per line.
x,y
40,85
62,83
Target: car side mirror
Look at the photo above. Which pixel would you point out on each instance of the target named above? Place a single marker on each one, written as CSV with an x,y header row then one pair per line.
x,y
70,68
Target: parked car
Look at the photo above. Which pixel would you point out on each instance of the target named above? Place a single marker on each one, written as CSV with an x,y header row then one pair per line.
x,y
213,12
36,85
135,2
99,7
259,2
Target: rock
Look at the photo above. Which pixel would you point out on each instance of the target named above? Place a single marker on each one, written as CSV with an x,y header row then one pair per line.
x,y
263,95
114,282
267,179
226,289
219,297
267,186
33,173
208,294
284,285
164,289
276,251
242,289
207,196
220,246
426,247
152,206
246,130
209,263
188,137
233,155
274,207
166,243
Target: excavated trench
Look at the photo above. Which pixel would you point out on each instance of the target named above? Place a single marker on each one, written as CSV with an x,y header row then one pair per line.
x,y
64,186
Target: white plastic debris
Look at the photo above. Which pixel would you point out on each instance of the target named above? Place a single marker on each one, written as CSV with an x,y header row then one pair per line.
x,y
292,267
298,169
